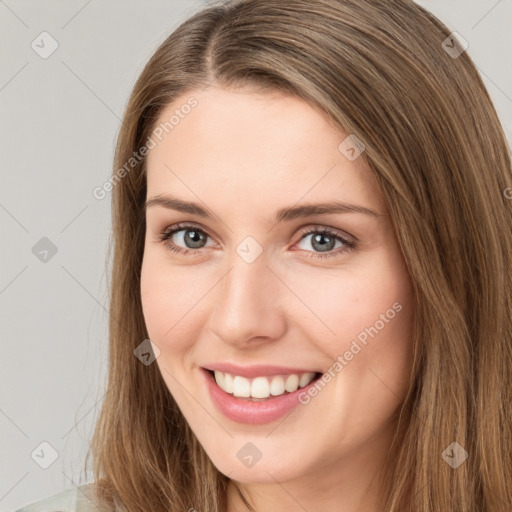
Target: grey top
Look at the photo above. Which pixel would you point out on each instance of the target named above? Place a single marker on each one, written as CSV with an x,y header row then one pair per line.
x,y
77,499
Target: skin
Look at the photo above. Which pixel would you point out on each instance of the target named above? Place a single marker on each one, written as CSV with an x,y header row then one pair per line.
x,y
244,155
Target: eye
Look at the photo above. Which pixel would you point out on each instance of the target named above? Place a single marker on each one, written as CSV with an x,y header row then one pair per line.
x,y
192,236
323,240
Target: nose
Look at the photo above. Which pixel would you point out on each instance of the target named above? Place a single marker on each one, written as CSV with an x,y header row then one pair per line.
x,y
248,307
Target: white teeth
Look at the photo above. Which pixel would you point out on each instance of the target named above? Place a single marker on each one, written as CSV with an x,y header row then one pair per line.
x,y
305,379
241,386
292,383
262,387
228,382
219,378
277,386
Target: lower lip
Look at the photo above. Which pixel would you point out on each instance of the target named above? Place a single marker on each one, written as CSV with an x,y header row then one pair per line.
x,y
243,410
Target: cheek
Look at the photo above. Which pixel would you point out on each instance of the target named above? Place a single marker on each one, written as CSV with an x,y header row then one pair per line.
x,y
167,323
368,305
158,301
172,304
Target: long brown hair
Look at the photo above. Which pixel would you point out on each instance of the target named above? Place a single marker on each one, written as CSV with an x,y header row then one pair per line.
x,y
386,72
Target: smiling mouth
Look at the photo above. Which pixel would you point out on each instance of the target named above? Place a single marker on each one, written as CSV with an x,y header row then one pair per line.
x,y
262,388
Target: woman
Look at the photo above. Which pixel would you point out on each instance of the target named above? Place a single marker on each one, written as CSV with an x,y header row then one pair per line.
x,y
312,225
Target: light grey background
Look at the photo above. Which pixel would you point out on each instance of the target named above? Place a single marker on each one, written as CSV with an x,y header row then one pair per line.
x,y
59,120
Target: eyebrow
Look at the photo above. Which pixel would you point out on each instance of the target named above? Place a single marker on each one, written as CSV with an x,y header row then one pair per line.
x,y
284,214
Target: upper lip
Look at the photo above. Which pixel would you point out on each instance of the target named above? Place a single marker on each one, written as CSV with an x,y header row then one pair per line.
x,y
259,370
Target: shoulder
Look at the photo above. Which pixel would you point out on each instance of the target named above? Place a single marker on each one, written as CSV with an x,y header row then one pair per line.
x,y
76,499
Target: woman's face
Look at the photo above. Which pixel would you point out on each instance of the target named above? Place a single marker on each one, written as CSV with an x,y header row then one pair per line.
x,y
264,296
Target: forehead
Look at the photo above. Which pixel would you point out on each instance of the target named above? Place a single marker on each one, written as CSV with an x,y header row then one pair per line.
x,y
253,146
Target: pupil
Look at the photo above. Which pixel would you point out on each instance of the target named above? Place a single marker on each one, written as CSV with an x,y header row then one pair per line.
x,y
323,246
193,236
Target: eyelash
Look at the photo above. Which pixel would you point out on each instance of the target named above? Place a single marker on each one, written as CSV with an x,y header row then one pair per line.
x,y
168,233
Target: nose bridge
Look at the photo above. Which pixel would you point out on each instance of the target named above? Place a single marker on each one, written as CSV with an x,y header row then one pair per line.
x,y
247,301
